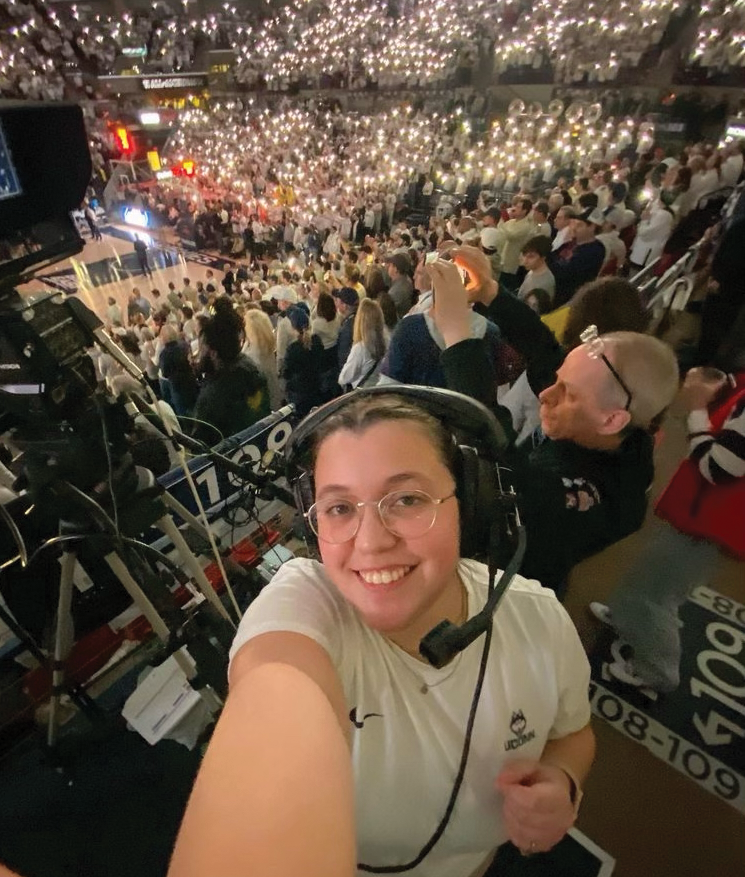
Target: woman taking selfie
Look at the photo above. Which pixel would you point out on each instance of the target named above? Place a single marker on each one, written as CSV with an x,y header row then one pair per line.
x,y
341,749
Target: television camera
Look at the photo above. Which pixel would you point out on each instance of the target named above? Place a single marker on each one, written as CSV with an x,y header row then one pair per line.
x,y
73,459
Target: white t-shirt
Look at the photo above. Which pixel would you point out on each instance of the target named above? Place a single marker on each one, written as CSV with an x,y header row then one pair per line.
x,y
359,365
327,330
544,280
409,718
523,405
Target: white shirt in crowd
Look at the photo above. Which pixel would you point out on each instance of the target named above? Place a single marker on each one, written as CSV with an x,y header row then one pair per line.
x,y
327,331
285,336
651,236
544,280
114,313
731,170
562,236
359,365
614,246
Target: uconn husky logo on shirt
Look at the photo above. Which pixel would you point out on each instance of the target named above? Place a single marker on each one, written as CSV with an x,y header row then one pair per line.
x,y
518,725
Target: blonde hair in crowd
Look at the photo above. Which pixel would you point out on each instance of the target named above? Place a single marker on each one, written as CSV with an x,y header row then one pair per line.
x,y
649,369
369,328
259,332
168,333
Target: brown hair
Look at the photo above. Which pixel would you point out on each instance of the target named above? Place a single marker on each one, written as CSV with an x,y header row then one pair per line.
x,y
364,411
390,314
326,307
540,245
610,303
375,282
352,273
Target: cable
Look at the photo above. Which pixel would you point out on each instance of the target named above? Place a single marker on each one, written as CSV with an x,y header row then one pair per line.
x,y
179,574
95,507
109,461
17,537
210,535
440,830
204,423
265,532
496,590
192,454
200,508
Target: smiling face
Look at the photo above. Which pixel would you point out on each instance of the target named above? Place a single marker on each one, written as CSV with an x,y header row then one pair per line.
x,y
400,587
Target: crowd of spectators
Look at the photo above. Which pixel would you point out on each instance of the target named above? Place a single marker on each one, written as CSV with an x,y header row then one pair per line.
x,y
584,41
395,44
333,167
720,39
346,300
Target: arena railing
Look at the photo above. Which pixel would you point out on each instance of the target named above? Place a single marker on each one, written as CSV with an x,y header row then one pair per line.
x,y
672,290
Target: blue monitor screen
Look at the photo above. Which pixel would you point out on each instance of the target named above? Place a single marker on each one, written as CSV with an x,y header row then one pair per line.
x,y
9,185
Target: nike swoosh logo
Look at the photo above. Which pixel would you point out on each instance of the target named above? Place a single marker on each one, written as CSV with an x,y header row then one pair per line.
x,y
361,724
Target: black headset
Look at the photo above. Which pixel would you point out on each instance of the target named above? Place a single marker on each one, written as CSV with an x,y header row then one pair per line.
x,y
479,444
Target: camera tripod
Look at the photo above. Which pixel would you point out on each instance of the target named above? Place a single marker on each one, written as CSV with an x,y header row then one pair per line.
x,y
127,558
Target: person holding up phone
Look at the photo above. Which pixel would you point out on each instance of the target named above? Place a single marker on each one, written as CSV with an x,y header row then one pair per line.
x,y
582,482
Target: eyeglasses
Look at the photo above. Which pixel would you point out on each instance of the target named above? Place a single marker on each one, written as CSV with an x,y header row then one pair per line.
x,y
407,514
596,350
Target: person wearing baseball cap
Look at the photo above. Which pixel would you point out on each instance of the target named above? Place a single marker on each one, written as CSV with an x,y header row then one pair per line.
x,y
347,302
347,296
401,289
286,297
586,259
490,246
303,364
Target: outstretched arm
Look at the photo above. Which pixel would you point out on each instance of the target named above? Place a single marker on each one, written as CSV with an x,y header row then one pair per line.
x,y
522,328
274,795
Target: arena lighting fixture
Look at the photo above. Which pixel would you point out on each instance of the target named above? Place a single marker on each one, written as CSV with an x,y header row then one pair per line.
x,y
149,117
135,216
124,140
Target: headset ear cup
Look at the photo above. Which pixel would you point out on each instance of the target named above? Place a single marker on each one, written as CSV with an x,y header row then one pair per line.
x,y
477,491
304,491
467,492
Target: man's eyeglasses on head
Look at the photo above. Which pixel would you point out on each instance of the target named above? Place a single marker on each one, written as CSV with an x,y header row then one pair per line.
x,y
595,347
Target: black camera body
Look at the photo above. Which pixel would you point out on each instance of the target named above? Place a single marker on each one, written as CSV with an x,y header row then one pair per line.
x,y
48,383
45,169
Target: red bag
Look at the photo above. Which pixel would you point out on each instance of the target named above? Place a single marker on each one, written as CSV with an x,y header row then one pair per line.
x,y
703,510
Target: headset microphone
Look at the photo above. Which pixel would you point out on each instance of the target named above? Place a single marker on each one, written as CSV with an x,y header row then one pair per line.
x,y
446,640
